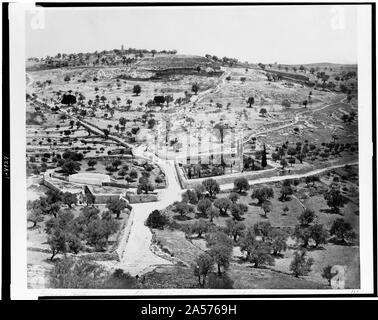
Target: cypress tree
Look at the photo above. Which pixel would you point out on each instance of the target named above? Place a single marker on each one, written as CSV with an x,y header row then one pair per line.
x,y
263,158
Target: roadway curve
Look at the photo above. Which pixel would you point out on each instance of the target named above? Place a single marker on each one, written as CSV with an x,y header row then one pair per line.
x,y
137,258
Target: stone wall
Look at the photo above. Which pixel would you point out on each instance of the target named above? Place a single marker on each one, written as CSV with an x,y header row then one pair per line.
x,y
50,185
224,179
124,236
141,198
104,198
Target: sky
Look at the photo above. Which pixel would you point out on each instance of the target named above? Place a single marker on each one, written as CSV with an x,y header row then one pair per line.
x,y
267,34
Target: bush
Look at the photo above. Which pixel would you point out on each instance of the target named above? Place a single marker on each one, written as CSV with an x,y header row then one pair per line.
x,y
241,184
286,103
120,280
220,282
156,220
158,179
133,174
342,230
190,196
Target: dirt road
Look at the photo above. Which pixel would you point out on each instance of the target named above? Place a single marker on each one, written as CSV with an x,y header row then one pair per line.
x,y
137,257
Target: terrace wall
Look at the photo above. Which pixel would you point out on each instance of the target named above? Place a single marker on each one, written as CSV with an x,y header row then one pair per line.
x,y
187,71
290,76
110,157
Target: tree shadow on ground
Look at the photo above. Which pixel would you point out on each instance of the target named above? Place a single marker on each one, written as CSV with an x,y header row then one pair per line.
x,y
330,211
37,227
199,215
313,248
52,262
224,215
254,204
241,260
195,237
287,199
181,218
259,267
341,242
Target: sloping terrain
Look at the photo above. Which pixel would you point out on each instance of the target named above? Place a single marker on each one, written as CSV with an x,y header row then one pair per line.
x,y
174,62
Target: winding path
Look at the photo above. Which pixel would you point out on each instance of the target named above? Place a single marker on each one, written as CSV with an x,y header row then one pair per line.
x,y
137,258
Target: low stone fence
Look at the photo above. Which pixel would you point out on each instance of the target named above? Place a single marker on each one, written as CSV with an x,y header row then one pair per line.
x,y
104,198
141,198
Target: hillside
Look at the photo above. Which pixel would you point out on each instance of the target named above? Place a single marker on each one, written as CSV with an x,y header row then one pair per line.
x,y
175,62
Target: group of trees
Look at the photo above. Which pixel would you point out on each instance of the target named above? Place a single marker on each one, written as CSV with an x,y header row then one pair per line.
x,y
263,194
67,233
334,199
130,175
49,204
309,229
261,243
219,254
288,154
70,162
203,196
115,57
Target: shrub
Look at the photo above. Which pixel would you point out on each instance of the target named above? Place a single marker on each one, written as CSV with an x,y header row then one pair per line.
x,y
156,220
241,184
286,103
190,196
342,230
158,179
